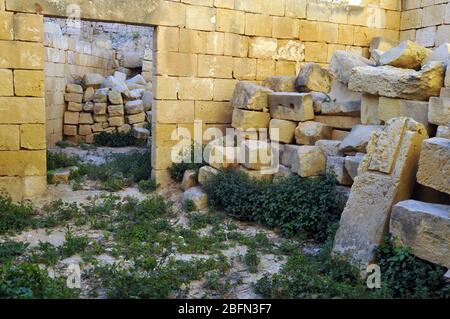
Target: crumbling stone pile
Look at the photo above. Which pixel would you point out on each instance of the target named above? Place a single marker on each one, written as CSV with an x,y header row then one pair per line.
x,y
112,104
367,121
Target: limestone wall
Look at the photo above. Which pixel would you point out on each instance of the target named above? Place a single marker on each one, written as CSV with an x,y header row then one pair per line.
x,y
426,21
67,60
22,106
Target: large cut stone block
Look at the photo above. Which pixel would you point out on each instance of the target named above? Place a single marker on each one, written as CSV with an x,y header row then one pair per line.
x,y
281,83
308,161
257,155
197,196
336,166
308,133
221,156
250,119
352,164
439,110
434,164
338,121
441,53
289,151
291,106
358,138
424,228
282,131
205,173
330,147
369,110
389,108
343,62
313,77
443,131
386,176
250,96
407,55
93,79
399,83
346,108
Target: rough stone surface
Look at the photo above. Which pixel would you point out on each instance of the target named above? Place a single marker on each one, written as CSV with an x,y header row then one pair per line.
x,y
250,96
441,53
291,106
280,83
313,77
443,131
352,164
197,196
282,131
250,119
134,107
358,138
93,79
369,110
336,166
434,164
141,133
439,110
189,180
257,155
338,121
348,108
399,83
424,228
386,177
115,97
308,161
318,98
330,147
205,173
288,152
308,133
343,62
220,156
407,55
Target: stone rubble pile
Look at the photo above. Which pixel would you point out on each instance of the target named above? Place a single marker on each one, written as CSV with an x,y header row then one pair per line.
x,y
368,122
112,104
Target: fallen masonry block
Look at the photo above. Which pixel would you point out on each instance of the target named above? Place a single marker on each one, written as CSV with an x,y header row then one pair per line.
x,y
282,172
256,155
61,175
74,88
407,55
318,98
342,63
250,119
352,164
434,164
424,228
338,121
381,44
289,151
205,173
197,196
258,175
93,79
291,106
250,96
339,135
389,108
369,110
189,180
134,107
280,83
141,133
308,161
115,97
250,134
101,96
399,83
386,177
340,93
312,77
445,92
346,108
443,131
336,167
441,53
439,110
308,133
330,147
358,138
220,156
282,131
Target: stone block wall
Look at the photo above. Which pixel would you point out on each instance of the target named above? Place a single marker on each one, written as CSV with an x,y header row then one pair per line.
x,y
216,43
22,106
426,21
67,60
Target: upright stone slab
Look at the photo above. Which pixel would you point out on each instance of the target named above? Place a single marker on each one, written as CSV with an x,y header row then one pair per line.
x,y
424,228
434,164
386,176
399,83
342,63
291,106
407,55
250,96
312,77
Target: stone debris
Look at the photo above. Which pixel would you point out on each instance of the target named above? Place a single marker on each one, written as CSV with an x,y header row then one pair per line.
x,y
280,83
358,138
342,63
386,176
313,77
424,228
369,109
434,164
443,131
256,155
439,110
407,55
441,53
250,119
352,164
308,161
250,96
308,133
197,196
336,167
282,131
189,180
393,82
291,106
141,133
205,173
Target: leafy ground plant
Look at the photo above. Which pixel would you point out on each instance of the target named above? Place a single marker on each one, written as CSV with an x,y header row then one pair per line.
x,y
118,139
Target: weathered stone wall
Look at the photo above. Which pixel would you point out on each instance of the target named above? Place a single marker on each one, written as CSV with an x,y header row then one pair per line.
x,y
67,60
426,21
22,106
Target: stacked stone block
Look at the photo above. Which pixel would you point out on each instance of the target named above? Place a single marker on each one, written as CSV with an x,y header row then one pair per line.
x,y
22,106
106,105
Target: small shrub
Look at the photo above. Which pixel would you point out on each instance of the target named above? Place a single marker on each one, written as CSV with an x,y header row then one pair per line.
x,y
10,250
147,186
190,206
74,244
118,139
410,277
63,144
60,160
252,260
294,204
15,217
